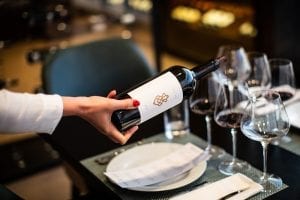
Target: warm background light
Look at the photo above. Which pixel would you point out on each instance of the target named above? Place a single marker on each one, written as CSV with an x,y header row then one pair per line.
x,y
115,2
141,5
186,14
218,18
248,29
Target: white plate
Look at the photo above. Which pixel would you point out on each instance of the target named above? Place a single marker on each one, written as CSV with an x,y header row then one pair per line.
x,y
143,154
293,111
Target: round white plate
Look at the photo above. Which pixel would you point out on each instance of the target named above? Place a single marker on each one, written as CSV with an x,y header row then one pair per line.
x,y
143,154
293,111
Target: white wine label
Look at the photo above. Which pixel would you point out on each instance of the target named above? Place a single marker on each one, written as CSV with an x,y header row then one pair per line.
x,y
157,95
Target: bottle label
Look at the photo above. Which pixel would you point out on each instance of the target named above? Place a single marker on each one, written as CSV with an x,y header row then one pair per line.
x,y
157,95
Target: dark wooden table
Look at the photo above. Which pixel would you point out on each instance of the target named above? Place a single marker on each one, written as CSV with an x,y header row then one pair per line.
x,y
280,161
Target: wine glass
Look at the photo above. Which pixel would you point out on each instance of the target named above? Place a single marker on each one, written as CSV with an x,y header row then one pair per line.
x,y
265,120
260,75
202,102
228,114
283,77
236,67
283,81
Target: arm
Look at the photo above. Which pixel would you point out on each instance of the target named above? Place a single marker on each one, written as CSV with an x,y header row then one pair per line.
x,y
23,112
41,113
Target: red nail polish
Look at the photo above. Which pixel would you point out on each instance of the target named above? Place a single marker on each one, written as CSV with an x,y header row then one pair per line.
x,y
136,103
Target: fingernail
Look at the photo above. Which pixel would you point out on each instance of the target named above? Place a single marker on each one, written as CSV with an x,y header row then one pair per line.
x,y
136,103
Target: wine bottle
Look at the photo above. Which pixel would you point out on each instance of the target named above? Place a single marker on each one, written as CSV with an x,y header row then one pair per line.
x,y
161,93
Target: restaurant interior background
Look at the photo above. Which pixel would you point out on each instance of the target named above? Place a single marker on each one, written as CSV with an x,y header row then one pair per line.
x,y
169,32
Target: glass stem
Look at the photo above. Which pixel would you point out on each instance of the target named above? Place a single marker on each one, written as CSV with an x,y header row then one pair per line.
x,y
265,158
208,129
233,132
230,88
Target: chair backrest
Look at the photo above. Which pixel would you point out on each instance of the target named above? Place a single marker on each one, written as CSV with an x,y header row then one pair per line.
x,y
95,68
91,69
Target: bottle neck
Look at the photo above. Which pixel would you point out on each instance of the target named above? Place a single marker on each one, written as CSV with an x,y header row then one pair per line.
x,y
202,70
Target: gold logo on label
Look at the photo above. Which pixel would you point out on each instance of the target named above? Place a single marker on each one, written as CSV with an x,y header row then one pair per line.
x,y
160,99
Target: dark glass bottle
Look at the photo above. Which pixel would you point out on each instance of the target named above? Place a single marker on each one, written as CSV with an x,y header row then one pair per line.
x,y
160,93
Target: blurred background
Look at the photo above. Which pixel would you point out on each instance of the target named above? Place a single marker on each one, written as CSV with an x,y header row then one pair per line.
x,y
169,32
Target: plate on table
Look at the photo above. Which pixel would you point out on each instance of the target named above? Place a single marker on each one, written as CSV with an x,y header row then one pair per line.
x,y
293,111
146,153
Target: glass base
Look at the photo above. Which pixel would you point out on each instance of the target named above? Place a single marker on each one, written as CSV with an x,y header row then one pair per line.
x,y
270,182
233,167
176,133
215,152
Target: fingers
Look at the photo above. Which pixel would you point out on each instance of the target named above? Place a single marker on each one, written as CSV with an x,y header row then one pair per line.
x,y
120,138
126,104
129,133
112,94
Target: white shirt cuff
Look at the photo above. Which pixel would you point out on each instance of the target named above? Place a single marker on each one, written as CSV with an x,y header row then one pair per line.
x,y
23,112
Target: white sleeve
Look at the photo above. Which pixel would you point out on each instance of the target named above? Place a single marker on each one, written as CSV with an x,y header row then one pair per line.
x,y
23,112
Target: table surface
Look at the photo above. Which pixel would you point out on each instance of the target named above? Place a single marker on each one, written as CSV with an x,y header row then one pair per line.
x,y
283,162
97,168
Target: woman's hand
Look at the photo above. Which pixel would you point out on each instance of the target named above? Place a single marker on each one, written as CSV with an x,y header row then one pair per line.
x,y
98,111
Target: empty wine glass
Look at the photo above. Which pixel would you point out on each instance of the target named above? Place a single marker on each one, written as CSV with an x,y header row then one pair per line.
x,y
264,120
228,114
202,102
236,67
283,77
260,75
283,82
